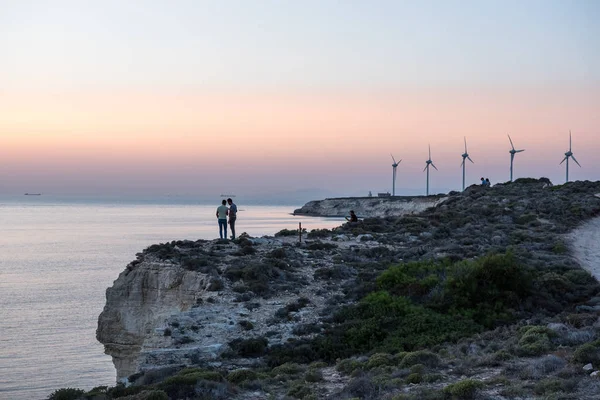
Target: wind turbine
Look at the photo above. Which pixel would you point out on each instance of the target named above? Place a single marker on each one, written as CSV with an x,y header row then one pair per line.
x,y
512,156
428,163
569,154
394,166
465,156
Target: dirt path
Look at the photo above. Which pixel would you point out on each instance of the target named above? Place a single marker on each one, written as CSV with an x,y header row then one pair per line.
x,y
585,244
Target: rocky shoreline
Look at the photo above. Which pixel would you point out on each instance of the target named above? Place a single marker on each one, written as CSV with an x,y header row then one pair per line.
x,y
483,292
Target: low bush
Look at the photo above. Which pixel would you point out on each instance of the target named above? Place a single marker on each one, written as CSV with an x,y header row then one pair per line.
x,y
289,232
287,369
319,233
349,365
300,390
422,357
466,389
241,375
380,359
313,375
588,353
253,347
535,340
66,394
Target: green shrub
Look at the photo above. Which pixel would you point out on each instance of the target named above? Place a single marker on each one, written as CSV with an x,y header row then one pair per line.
x,y
559,248
348,365
289,232
414,378
525,219
253,347
191,382
287,369
192,376
300,391
555,385
318,233
535,340
466,389
241,375
66,394
501,355
423,357
121,391
246,325
588,353
321,246
313,375
157,395
579,276
418,369
380,359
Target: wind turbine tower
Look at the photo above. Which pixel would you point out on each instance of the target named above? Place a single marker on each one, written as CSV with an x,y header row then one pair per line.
x,y
428,163
512,156
394,166
569,154
465,156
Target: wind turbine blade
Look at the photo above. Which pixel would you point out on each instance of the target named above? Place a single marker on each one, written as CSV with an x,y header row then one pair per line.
x,y
430,152
471,160
462,163
518,151
393,159
465,144
564,159
434,167
570,141
511,143
573,157
427,166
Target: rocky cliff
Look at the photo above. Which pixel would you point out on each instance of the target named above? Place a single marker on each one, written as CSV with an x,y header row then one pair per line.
x,y
148,292
369,206
235,306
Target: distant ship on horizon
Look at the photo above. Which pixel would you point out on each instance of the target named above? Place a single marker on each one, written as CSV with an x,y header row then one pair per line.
x,y
33,194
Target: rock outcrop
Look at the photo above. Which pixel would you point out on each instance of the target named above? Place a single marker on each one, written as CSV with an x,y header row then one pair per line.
x,y
140,300
369,206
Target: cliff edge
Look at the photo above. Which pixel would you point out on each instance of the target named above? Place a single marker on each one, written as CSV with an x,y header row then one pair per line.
x,y
369,206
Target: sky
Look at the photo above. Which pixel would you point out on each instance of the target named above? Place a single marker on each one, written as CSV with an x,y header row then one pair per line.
x,y
288,98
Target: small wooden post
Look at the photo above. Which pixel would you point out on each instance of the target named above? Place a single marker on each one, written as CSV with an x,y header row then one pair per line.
x,y
300,232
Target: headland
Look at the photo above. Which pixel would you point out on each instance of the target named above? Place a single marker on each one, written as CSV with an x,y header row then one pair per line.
x,y
484,294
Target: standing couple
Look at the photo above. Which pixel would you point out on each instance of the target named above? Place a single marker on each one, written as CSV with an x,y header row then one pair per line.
x,y
222,213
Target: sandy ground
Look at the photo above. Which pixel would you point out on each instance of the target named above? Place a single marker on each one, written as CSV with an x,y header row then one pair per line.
x,y
585,244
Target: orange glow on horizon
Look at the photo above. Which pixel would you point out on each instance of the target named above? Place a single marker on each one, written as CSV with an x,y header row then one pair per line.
x,y
258,130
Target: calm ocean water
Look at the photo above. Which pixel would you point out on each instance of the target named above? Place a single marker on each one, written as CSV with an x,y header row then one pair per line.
x,y
56,260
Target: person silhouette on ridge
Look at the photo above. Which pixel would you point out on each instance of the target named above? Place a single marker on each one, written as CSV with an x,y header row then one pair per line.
x,y
222,213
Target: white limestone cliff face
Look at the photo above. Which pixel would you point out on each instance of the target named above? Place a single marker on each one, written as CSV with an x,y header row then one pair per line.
x,y
369,206
140,300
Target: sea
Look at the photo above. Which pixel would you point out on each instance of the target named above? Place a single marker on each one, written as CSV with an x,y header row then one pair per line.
x,y
58,256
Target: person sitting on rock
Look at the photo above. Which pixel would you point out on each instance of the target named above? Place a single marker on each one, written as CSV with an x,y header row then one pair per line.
x,y
482,181
352,218
487,182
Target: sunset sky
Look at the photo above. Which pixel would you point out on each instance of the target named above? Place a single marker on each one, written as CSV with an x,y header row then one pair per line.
x,y
261,98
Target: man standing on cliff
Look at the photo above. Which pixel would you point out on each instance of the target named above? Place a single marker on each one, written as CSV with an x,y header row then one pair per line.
x,y
222,212
232,216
